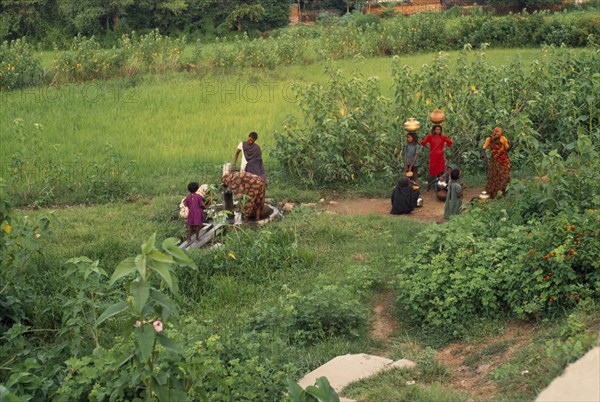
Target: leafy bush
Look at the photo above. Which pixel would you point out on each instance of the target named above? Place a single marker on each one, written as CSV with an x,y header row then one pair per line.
x,y
350,36
346,133
491,263
19,68
324,312
564,184
287,47
87,60
152,52
19,245
349,130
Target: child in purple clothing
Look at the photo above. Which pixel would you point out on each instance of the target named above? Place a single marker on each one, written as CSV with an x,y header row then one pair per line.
x,y
195,204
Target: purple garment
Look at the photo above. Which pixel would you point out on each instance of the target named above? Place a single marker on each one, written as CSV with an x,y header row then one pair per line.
x,y
195,204
254,162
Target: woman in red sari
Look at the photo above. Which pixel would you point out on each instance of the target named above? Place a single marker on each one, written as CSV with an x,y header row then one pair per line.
x,y
498,175
437,159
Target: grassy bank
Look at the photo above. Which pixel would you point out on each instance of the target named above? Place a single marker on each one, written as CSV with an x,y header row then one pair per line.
x,y
261,275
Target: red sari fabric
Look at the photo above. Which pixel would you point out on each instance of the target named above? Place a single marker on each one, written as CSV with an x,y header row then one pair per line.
x,y
498,175
250,185
437,160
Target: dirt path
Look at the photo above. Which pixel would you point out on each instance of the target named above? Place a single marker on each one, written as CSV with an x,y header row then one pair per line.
x,y
431,211
470,364
384,324
472,379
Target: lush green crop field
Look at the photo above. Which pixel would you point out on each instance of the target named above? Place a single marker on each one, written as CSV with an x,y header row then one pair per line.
x,y
170,128
176,126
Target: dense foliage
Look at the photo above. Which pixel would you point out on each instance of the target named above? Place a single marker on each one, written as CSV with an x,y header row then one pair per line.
x,y
85,58
136,332
530,255
53,21
133,332
349,129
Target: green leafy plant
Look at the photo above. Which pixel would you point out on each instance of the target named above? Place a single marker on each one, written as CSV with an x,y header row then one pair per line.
x,y
150,309
80,311
490,263
19,68
29,372
344,135
329,311
87,60
322,391
34,180
152,52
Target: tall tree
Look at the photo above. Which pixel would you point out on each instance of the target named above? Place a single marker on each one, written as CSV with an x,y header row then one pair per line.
x,y
115,9
156,13
245,13
20,18
277,14
84,16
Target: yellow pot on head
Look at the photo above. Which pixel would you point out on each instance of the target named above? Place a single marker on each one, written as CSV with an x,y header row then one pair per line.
x,y
412,125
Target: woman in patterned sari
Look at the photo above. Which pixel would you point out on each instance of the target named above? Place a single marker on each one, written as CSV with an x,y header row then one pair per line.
x,y
498,175
250,185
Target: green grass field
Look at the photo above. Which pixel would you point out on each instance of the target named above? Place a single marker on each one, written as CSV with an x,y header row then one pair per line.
x,y
172,122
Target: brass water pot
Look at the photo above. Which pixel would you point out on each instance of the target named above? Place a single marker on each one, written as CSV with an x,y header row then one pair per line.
x,y
411,125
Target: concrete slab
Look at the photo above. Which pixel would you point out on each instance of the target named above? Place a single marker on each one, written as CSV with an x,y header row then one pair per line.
x,y
343,370
403,363
579,383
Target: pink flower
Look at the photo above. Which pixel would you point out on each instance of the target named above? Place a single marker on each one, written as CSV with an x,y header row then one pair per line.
x,y
158,326
137,324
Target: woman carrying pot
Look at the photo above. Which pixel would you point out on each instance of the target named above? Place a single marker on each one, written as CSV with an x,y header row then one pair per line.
x,y
437,160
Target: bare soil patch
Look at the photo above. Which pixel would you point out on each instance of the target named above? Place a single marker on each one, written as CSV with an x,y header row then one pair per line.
x,y
470,364
431,211
384,325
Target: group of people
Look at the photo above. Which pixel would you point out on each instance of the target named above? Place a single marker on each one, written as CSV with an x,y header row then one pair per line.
x,y
250,182
406,193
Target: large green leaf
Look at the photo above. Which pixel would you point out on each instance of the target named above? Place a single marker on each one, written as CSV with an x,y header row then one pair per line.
x,y
167,392
296,392
140,290
323,384
124,268
149,245
163,270
7,396
169,344
145,339
164,301
140,264
112,310
180,256
158,256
